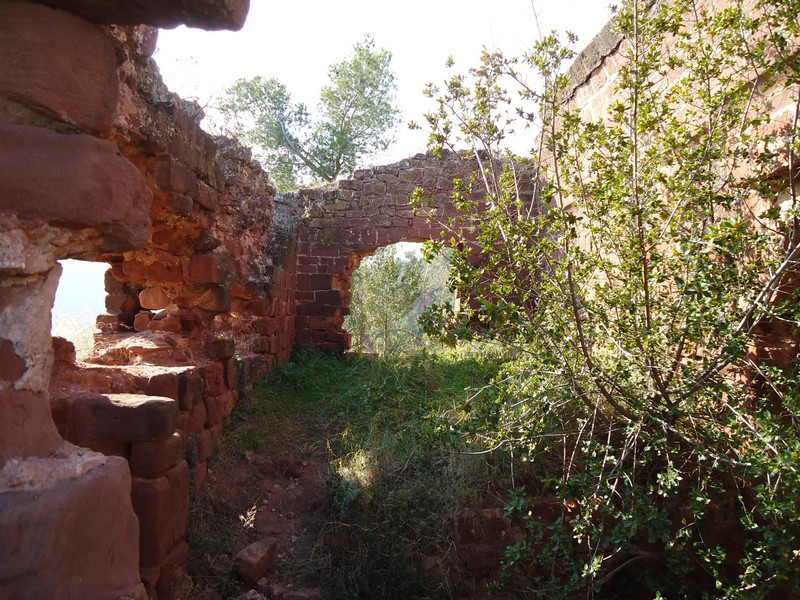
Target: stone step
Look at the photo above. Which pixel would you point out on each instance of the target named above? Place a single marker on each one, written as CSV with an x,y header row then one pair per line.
x,y
109,423
184,384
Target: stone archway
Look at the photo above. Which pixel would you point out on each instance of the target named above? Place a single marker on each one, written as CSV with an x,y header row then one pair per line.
x,y
351,220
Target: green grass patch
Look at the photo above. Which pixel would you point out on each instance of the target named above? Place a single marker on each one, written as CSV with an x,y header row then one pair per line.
x,y
395,474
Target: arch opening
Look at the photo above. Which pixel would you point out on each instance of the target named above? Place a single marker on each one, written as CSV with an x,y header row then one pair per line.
x,y
389,290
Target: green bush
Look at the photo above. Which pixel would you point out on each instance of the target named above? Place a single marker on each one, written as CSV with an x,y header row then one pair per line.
x,y
632,291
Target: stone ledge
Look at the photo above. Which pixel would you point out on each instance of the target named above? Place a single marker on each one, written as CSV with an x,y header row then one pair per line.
x,y
203,14
130,418
51,507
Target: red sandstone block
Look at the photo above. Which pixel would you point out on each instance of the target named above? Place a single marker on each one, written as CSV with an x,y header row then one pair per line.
x,y
197,419
213,413
203,14
172,578
216,299
142,320
199,473
232,373
308,260
261,344
309,308
172,176
210,268
265,326
74,514
162,506
216,433
214,378
163,384
321,323
76,180
183,422
318,249
167,323
226,403
153,459
221,348
205,446
329,297
206,196
190,389
58,64
155,272
253,561
129,418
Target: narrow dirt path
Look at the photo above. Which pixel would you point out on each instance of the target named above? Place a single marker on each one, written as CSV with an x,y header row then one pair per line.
x,y
264,483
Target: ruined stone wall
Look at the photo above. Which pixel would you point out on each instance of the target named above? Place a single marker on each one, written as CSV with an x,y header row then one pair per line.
x,y
99,162
344,223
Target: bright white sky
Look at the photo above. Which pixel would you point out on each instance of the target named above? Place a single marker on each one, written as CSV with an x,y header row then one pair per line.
x,y
297,41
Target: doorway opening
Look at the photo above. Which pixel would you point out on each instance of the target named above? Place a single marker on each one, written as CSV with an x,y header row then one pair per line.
x,y
388,292
80,298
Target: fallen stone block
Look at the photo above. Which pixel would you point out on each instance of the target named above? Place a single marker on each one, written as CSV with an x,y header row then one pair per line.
x,y
253,561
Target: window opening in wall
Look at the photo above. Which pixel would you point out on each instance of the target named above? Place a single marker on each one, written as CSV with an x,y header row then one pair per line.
x,y
79,299
388,292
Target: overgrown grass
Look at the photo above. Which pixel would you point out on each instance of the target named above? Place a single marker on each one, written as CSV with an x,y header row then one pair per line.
x,y
394,482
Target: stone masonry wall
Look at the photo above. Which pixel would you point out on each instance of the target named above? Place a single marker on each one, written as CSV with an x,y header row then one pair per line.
x,y
346,222
99,162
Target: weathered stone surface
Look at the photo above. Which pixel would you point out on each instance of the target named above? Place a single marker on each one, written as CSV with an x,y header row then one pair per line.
x,y
190,389
75,180
58,64
162,506
68,529
210,268
27,427
203,14
253,561
132,418
154,298
152,459
12,366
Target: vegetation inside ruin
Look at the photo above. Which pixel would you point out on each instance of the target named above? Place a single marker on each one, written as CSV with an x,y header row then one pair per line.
x,y
375,429
628,321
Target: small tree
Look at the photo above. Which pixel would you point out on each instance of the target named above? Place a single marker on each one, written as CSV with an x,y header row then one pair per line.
x,y
384,294
355,116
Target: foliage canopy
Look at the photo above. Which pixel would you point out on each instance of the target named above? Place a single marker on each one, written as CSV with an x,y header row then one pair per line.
x,y
355,117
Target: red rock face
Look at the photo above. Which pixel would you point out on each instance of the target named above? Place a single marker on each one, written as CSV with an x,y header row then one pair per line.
x,y
75,179
59,66
205,14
